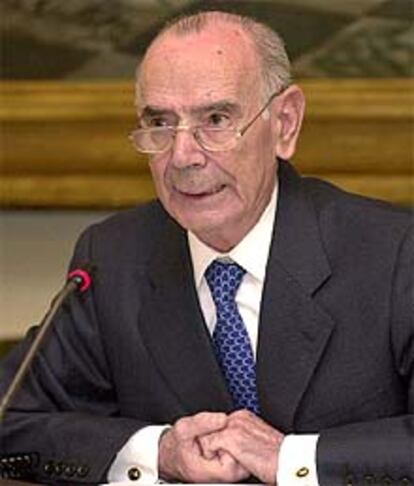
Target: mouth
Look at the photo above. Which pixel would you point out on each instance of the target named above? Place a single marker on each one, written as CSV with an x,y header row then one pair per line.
x,y
198,195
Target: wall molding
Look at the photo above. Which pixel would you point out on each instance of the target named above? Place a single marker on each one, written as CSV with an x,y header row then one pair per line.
x,y
64,144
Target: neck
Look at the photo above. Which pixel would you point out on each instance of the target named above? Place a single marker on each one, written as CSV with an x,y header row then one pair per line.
x,y
221,242
224,240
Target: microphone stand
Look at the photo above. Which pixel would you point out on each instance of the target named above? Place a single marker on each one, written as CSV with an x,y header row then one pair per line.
x,y
75,282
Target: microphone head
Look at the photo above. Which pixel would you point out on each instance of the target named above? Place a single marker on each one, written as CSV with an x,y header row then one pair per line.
x,y
82,276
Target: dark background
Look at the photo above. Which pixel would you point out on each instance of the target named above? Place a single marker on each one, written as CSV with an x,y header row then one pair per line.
x,y
101,39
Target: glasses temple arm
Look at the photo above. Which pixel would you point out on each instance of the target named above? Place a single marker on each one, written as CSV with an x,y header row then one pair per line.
x,y
243,130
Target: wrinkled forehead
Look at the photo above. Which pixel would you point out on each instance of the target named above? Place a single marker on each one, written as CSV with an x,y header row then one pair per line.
x,y
217,63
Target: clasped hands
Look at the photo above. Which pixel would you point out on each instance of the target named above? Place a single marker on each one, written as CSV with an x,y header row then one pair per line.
x,y
215,447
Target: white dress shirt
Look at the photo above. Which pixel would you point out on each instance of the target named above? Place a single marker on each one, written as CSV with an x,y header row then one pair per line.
x,y
297,457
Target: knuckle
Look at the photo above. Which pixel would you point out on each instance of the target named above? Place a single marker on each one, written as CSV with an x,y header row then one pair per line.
x,y
202,416
180,427
241,416
209,417
242,413
236,422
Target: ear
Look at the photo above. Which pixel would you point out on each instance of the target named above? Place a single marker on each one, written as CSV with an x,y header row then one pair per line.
x,y
287,116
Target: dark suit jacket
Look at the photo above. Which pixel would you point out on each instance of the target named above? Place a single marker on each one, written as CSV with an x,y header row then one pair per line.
x,y
335,347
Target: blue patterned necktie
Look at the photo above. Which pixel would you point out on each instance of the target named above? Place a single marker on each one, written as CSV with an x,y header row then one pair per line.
x,y
231,341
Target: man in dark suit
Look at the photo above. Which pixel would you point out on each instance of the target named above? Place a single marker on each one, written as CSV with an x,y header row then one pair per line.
x,y
253,324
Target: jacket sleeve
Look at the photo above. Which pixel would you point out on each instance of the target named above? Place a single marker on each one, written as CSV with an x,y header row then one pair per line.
x,y
380,451
64,425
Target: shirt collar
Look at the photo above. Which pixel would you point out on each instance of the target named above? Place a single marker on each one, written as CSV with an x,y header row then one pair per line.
x,y
251,253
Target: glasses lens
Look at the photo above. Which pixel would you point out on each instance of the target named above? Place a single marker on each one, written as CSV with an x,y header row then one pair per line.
x,y
152,140
216,139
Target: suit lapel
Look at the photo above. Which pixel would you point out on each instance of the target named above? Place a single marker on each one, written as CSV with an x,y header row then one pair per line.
x,y
293,329
174,330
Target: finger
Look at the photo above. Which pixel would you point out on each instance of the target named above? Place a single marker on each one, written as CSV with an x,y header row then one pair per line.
x,y
188,428
252,442
224,468
252,425
226,445
207,448
206,451
222,441
246,417
229,463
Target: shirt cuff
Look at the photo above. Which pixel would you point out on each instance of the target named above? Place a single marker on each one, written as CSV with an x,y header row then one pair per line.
x,y
297,461
137,461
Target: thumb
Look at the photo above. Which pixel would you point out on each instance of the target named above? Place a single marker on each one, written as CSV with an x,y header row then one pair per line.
x,y
207,422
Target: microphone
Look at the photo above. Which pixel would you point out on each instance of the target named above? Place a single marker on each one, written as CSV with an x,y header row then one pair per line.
x,y
78,280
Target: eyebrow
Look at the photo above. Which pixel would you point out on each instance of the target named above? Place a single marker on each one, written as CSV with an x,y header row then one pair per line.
x,y
222,105
151,111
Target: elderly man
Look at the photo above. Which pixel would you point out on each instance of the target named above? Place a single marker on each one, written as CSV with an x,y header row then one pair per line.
x,y
255,324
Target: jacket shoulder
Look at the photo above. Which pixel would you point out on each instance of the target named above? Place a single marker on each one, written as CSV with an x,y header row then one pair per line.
x,y
128,235
358,230
356,209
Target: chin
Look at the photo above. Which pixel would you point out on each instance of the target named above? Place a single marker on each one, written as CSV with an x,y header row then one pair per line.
x,y
199,225
204,225
202,217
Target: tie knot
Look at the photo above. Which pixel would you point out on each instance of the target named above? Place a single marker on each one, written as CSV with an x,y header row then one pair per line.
x,y
224,279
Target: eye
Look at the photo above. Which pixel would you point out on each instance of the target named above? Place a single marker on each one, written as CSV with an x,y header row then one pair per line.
x,y
158,121
218,120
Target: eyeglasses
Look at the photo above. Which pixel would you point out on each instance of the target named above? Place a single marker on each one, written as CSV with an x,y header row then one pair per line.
x,y
156,140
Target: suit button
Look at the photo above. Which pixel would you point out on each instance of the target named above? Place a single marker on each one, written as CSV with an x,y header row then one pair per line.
x,y
69,470
27,460
369,479
58,468
386,481
134,474
405,482
82,470
49,468
349,480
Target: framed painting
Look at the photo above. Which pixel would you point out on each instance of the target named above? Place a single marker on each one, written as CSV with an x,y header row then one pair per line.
x,y
67,101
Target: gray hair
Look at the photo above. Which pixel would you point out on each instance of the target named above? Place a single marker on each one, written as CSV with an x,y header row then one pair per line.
x,y
274,61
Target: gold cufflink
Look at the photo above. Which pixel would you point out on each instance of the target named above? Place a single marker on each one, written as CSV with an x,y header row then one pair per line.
x,y
302,472
134,474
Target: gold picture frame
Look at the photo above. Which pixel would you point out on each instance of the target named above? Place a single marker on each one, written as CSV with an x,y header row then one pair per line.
x,y
64,144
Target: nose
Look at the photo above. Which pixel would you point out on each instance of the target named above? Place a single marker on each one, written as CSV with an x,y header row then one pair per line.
x,y
186,151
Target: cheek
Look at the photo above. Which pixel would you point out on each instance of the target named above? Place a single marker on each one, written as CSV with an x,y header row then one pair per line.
x,y
247,167
257,167
158,167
